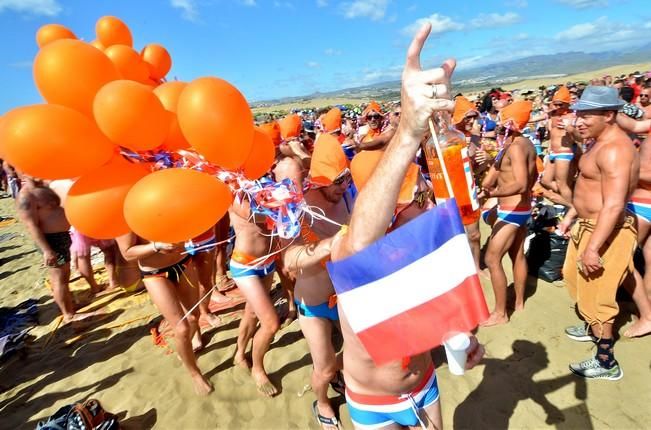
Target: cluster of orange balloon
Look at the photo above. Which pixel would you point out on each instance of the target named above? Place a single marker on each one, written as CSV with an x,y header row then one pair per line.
x,y
104,97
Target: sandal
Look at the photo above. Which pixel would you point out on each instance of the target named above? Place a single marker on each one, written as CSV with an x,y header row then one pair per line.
x,y
321,420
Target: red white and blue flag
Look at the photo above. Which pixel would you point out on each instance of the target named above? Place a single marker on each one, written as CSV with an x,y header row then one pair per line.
x,y
404,293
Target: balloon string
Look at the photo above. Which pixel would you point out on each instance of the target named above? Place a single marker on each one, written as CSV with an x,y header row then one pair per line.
x,y
208,246
319,216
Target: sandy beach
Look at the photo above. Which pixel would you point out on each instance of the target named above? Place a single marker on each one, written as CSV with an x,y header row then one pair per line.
x,y
523,383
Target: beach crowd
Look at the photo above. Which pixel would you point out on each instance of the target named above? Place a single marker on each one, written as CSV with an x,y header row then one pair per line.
x,y
580,147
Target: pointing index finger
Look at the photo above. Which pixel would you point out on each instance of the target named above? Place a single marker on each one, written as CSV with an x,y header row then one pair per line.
x,y
416,46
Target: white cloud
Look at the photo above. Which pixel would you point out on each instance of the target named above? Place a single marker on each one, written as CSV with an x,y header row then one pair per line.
x,y
373,9
580,31
312,64
322,3
188,8
521,36
21,64
440,24
249,2
285,4
33,7
494,20
647,25
584,4
332,52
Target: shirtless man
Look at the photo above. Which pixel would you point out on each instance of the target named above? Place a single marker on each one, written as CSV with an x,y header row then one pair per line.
x,y
640,205
314,294
600,254
253,274
645,102
39,208
372,136
558,176
171,281
368,386
515,168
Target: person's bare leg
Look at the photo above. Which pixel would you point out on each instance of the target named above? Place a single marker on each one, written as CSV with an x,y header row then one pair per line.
x,y
643,325
520,269
256,293
561,174
205,264
500,241
246,330
287,282
110,263
318,334
189,295
474,239
59,279
164,295
638,290
85,269
431,417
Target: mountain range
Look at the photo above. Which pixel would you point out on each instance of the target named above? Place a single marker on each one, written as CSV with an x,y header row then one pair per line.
x,y
495,74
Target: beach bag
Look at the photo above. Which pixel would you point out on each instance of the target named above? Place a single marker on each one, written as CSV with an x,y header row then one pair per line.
x,y
89,415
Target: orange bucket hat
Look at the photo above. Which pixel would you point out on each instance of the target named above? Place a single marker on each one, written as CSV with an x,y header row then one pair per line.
x,y
290,127
332,120
364,164
462,106
373,106
272,129
517,112
562,95
328,160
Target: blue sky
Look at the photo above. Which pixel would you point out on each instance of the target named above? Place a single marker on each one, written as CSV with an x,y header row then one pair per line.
x,y
274,48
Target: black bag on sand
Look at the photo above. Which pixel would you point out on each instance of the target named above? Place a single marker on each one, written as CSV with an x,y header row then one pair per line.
x,y
546,253
89,415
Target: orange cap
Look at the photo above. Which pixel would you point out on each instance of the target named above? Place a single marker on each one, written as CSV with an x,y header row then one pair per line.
x,y
272,129
562,94
373,106
332,120
364,164
290,127
328,160
517,112
462,106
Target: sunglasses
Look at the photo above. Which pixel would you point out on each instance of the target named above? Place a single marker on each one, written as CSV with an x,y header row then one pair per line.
x,y
372,117
343,178
646,96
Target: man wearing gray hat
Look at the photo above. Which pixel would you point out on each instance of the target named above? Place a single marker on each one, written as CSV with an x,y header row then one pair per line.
x,y
600,254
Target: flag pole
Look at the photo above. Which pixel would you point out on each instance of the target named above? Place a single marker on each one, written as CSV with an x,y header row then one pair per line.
x,y
439,154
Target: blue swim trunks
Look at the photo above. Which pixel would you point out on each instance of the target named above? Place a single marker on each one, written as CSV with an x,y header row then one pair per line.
x,y
319,311
641,207
370,412
242,265
517,215
561,156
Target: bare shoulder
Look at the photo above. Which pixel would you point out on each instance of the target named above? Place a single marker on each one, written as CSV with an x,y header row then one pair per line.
x,y
25,200
616,153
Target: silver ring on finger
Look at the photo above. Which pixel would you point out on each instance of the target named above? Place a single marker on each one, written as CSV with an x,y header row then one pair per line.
x,y
434,91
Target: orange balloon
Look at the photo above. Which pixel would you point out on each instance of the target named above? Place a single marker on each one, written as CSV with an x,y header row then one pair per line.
x,y
51,32
169,93
217,121
53,142
70,72
97,44
95,202
131,115
158,60
262,156
112,31
170,205
128,63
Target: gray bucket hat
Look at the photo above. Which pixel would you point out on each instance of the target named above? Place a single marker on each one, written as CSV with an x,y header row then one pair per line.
x,y
599,98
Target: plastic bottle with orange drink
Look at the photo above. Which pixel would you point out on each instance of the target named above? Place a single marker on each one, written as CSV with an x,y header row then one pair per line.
x,y
457,161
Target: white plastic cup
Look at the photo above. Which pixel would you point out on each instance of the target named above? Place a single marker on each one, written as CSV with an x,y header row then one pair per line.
x,y
455,350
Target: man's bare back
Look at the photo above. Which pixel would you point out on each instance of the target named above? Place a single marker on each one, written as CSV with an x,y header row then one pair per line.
x,y
41,201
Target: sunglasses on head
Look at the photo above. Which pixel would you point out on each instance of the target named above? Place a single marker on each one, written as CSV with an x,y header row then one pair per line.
x,y
343,177
374,116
